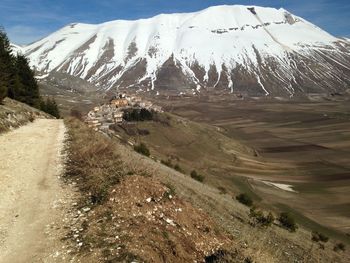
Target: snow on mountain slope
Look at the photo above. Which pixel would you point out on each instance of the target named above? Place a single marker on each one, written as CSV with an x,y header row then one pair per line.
x,y
16,49
251,50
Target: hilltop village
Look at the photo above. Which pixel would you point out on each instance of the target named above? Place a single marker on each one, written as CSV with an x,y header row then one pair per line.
x,y
101,117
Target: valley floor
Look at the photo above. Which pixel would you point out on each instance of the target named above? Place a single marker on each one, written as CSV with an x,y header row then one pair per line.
x,y
303,144
37,207
33,201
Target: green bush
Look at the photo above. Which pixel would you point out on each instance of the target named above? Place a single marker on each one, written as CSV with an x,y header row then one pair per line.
x,y
339,246
178,168
221,255
167,163
288,221
76,114
260,218
245,199
138,115
196,176
222,190
248,260
171,190
317,236
142,148
50,106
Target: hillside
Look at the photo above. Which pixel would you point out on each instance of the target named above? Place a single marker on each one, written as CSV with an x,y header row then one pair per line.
x,y
14,114
112,204
249,51
134,200
125,214
215,136
280,153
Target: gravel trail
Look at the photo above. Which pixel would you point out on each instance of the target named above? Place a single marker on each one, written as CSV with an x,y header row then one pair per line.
x,y
33,199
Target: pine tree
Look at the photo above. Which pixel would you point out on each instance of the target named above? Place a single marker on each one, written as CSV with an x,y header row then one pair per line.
x,y
50,106
7,72
17,80
26,88
55,110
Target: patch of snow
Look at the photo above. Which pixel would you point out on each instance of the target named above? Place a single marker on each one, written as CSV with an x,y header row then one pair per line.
x,y
16,49
262,86
42,76
285,187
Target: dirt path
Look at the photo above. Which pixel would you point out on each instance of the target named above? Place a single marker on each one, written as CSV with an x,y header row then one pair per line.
x,y
32,199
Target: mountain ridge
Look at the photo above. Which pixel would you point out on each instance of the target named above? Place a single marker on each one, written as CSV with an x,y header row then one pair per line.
x,y
252,50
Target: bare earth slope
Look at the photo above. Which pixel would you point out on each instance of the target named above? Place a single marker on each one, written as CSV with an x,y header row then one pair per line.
x,y
32,199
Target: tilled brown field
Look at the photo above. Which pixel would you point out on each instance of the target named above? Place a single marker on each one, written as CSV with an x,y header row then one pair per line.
x,y
302,144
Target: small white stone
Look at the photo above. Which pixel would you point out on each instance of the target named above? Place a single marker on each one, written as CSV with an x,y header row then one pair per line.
x,y
86,209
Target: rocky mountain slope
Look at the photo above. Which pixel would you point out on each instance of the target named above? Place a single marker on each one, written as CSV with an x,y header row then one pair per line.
x,y
248,50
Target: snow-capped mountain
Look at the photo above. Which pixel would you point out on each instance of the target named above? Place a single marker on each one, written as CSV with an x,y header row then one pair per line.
x,y
243,49
16,49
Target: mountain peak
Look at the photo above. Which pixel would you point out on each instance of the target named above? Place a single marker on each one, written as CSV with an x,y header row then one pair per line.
x,y
206,49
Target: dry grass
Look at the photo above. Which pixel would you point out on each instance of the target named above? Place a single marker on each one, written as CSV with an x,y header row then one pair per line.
x,y
132,216
14,114
92,160
272,244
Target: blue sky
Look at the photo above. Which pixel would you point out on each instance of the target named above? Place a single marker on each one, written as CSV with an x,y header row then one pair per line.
x,y
28,20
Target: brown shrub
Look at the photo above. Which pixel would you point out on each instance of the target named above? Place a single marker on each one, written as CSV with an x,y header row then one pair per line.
x,y
92,160
76,114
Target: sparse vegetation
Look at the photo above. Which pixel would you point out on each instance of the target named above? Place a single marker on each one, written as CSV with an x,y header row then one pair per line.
x,y
14,114
245,199
76,114
248,260
143,132
162,118
319,237
196,176
91,160
339,247
222,190
168,163
171,190
288,221
178,168
142,149
221,256
260,218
